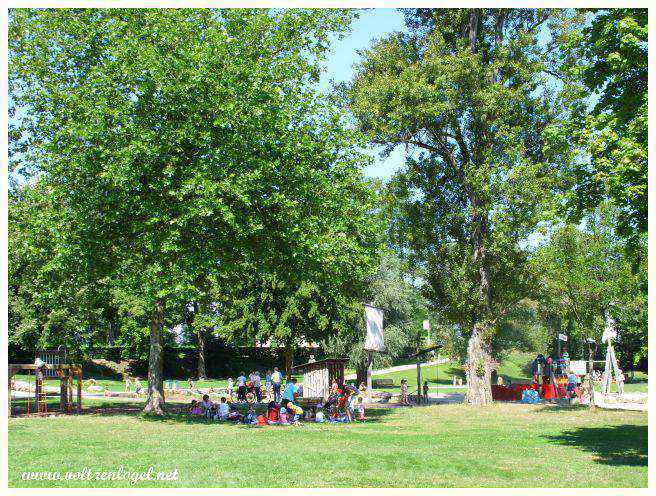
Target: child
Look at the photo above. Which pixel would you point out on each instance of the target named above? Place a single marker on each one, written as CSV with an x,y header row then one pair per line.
x,y
335,416
319,418
250,417
273,414
572,387
234,414
283,416
191,385
404,392
128,385
230,388
360,409
214,412
425,391
224,410
620,382
137,386
267,381
241,387
194,408
295,412
350,403
206,405
262,420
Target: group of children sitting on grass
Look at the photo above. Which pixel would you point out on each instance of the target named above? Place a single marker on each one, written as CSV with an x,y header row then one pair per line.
x,y
343,405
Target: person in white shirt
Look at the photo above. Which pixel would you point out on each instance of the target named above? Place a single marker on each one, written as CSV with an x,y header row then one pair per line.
x,y
241,387
230,388
276,381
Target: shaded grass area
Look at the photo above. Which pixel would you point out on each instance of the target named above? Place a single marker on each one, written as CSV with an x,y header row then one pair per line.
x,y
446,446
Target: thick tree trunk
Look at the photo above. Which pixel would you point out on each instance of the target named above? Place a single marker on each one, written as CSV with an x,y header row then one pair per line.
x,y
155,401
363,372
201,354
479,374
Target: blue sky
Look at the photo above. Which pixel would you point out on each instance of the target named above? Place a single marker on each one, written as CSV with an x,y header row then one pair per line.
x,y
372,24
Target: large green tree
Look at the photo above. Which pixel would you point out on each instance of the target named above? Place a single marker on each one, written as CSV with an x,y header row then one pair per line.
x,y
177,144
468,91
585,276
609,56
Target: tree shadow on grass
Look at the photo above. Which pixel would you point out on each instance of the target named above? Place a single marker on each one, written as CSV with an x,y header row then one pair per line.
x,y
616,445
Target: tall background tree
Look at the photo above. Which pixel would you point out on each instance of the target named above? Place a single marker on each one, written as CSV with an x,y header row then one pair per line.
x,y
609,54
177,144
468,90
587,275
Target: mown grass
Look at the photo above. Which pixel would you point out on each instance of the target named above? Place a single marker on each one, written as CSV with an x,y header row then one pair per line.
x,y
507,445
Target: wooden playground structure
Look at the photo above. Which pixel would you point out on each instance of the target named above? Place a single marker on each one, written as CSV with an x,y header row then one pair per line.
x,y
48,364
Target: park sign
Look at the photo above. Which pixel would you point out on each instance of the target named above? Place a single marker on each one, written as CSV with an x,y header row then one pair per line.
x,y
374,340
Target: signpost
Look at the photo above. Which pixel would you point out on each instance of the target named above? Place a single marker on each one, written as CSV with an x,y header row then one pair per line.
x,y
561,337
426,327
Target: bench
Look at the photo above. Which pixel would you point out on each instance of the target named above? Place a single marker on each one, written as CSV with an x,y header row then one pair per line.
x,y
382,382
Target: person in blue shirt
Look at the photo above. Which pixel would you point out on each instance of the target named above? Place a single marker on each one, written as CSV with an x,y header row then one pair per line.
x,y
291,390
572,384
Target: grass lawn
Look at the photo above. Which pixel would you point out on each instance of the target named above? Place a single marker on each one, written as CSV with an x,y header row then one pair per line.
x,y
442,445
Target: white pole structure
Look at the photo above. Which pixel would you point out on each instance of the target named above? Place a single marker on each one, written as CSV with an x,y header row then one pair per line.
x,y
610,366
374,341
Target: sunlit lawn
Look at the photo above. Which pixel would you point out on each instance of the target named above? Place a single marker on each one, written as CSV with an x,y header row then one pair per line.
x,y
443,445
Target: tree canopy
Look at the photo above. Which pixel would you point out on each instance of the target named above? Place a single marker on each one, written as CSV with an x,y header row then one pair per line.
x,y
468,89
177,144
609,56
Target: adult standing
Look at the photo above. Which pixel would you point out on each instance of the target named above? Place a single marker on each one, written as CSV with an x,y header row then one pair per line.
x,y
290,390
267,382
257,384
241,387
276,381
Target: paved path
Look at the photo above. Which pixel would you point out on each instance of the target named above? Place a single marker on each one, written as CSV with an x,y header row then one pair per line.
x,y
632,401
398,368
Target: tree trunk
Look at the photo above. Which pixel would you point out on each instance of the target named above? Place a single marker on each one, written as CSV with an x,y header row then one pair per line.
x,y
289,360
201,354
111,334
472,27
361,374
479,374
155,401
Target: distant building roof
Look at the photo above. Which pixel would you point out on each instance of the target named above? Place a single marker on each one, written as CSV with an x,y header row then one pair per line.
x,y
320,364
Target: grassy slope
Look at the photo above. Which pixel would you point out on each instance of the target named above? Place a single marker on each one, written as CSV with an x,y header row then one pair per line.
x,y
449,445
512,367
